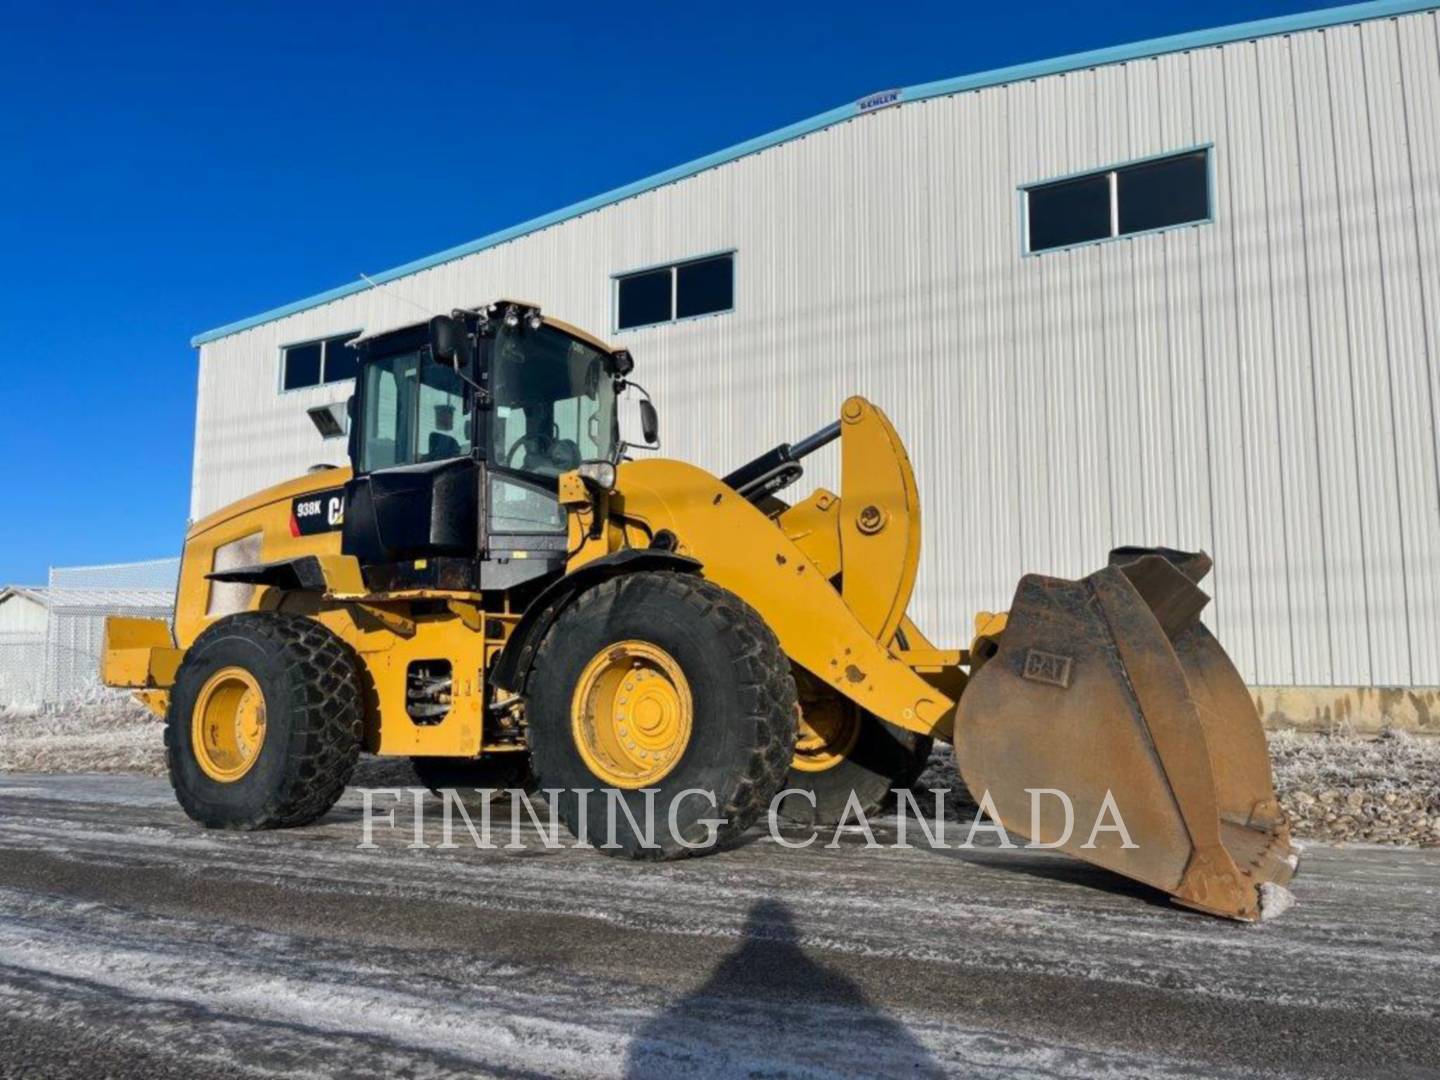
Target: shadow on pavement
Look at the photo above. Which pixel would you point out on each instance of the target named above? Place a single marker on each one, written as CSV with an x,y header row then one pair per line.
x,y
762,1005
1067,870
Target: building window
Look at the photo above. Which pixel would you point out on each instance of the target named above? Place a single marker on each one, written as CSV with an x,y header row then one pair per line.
x,y
302,365
313,363
678,291
645,299
1159,193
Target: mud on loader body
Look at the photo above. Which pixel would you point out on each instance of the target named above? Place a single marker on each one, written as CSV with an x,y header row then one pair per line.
x,y
493,587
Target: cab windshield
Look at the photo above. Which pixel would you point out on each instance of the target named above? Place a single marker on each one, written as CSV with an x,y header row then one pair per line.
x,y
554,401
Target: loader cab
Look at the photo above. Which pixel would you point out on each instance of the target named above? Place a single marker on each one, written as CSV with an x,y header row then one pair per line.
x,y
461,428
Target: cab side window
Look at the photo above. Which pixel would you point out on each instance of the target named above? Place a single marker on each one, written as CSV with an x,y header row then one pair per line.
x,y
414,411
440,427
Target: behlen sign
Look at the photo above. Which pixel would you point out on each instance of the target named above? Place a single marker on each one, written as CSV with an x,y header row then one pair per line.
x,y
878,100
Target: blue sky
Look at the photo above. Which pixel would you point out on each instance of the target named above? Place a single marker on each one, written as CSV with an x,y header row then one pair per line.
x,y
170,168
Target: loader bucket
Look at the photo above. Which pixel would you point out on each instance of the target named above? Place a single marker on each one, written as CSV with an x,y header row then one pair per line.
x,y
1110,688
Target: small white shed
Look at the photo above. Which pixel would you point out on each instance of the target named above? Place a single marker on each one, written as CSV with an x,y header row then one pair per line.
x,y
24,621
23,610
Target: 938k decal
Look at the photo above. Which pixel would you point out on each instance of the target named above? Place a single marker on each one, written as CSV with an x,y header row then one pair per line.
x,y
317,512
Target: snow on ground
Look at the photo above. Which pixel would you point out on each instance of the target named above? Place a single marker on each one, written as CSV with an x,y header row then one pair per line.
x,y
110,732
1335,786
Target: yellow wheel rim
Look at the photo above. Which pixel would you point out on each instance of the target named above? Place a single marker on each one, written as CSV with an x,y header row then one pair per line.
x,y
227,727
829,730
632,714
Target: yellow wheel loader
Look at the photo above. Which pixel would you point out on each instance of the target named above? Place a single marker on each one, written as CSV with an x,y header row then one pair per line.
x,y
495,588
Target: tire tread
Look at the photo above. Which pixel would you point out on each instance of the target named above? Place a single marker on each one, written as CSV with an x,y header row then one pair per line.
x,y
762,673
323,677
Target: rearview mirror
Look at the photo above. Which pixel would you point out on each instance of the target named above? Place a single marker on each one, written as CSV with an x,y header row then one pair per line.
x,y
448,341
649,422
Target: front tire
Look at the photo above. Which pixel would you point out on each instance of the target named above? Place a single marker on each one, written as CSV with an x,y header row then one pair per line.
x,y
845,752
666,683
264,724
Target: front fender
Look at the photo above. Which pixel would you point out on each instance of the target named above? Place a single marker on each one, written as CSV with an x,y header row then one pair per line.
x,y
512,668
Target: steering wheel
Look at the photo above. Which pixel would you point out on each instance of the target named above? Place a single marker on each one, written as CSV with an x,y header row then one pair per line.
x,y
535,443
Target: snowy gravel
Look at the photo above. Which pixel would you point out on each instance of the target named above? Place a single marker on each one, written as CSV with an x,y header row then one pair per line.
x,y
1338,787
1384,790
110,732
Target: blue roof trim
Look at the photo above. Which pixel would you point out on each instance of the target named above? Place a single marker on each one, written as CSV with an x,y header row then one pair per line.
x,y
1310,20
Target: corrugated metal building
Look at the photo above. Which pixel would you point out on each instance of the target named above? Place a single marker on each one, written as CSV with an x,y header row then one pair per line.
x,y
1260,382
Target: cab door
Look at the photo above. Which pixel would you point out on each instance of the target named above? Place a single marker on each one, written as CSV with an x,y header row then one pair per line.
x,y
524,522
413,508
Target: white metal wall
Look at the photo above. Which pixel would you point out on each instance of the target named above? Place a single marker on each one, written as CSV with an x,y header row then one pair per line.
x,y
22,650
20,615
1263,387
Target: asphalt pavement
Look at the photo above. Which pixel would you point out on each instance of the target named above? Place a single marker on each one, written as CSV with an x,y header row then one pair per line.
x,y
134,944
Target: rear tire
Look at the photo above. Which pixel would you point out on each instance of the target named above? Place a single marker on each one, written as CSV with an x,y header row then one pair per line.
x,y
721,678
308,720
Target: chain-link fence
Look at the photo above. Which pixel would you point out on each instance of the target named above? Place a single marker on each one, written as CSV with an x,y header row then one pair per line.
x,y
80,599
64,663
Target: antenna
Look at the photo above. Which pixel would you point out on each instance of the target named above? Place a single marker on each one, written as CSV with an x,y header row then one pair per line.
x,y
399,296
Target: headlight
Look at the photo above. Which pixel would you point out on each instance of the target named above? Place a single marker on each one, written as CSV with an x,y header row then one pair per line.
x,y
599,473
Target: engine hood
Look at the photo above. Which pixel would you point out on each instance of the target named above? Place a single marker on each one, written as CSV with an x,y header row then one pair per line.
x,y
288,489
